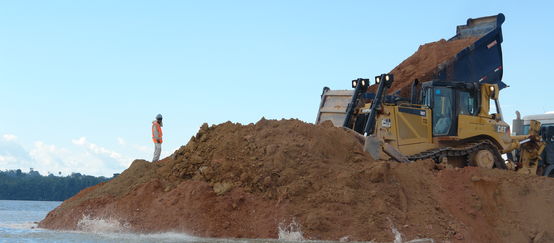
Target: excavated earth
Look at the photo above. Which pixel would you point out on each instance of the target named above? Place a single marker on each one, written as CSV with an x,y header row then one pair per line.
x,y
243,181
424,64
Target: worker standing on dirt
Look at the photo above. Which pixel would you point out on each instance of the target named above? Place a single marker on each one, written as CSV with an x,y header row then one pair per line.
x,y
157,136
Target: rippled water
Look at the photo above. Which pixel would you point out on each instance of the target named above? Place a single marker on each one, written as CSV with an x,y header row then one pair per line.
x,y
18,223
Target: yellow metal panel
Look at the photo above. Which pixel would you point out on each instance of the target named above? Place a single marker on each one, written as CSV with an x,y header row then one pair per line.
x,y
410,131
472,126
412,124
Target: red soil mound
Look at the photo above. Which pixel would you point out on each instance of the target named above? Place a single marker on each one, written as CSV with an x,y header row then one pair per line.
x,y
423,64
241,181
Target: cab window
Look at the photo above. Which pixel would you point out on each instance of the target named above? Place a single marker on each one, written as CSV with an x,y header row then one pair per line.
x,y
442,111
427,94
467,104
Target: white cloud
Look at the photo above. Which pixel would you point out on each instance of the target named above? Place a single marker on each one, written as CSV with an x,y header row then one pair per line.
x,y
79,141
85,158
7,159
50,158
136,149
82,156
98,150
12,150
9,137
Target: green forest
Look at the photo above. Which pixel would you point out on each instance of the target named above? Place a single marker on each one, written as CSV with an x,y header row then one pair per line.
x,y
18,185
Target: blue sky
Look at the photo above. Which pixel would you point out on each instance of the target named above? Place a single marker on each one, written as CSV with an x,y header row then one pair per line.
x,y
81,81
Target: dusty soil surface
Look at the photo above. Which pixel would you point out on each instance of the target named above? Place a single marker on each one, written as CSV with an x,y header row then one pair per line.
x,y
232,180
423,64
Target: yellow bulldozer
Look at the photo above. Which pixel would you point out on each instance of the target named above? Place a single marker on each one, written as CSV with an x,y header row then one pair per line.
x,y
455,118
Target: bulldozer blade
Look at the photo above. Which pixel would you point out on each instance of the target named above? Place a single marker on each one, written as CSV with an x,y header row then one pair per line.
x,y
373,146
395,154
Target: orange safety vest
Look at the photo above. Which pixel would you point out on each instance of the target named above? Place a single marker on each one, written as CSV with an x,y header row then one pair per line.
x,y
156,127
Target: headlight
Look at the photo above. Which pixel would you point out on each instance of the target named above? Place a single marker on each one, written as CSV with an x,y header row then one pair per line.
x,y
354,83
492,89
377,79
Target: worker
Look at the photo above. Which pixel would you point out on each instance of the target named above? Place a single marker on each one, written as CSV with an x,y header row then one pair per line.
x,y
157,137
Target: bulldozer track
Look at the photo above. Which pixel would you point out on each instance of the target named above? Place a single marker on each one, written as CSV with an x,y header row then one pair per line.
x,y
461,151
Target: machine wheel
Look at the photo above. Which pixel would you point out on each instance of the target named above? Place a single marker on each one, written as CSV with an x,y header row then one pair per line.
x,y
482,158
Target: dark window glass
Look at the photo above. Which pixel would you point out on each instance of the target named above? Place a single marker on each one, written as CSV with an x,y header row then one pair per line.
x,y
427,94
467,104
442,110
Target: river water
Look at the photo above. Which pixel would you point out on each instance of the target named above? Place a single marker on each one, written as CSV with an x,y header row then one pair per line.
x,y
18,223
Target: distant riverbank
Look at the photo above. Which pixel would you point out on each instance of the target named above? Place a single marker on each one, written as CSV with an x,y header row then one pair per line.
x,y
18,185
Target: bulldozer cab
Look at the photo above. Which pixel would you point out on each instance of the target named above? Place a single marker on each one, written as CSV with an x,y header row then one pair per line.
x,y
448,100
448,119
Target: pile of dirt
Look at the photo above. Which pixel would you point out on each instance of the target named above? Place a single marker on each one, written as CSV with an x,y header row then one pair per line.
x,y
424,63
243,181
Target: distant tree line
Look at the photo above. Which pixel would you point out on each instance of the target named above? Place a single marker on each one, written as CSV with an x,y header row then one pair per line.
x,y
18,185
